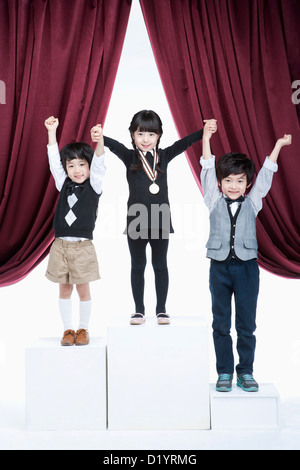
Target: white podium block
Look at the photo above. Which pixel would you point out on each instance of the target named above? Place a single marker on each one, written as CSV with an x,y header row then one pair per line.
x,y
245,410
65,386
158,376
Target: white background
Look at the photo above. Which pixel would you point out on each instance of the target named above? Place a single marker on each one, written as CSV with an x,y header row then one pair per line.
x,y
29,309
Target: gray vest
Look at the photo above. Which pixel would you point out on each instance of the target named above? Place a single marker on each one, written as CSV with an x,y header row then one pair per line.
x,y
244,229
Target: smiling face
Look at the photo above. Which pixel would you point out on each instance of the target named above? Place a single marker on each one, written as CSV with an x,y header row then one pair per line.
x,y
234,186
235,173
145,141
78,170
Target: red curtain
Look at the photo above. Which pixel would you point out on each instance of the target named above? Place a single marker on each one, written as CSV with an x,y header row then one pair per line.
x,y
57,58
236,61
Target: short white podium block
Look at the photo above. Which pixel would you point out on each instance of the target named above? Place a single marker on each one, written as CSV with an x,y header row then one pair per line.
x,y
65,386
245,410
158,375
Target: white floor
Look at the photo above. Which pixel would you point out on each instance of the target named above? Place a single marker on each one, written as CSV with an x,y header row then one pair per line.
x,y
26,317
13,436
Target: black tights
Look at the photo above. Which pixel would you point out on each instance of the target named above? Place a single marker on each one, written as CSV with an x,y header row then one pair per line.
x,y
137,250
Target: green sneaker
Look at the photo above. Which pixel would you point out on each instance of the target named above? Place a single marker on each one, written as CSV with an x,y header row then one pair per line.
x,y
247,383
224,383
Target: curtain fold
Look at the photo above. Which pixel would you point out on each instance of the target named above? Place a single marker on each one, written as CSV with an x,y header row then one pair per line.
x,y
55,60
236,61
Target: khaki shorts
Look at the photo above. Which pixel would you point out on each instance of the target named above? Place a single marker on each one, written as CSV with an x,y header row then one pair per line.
x,y
72,262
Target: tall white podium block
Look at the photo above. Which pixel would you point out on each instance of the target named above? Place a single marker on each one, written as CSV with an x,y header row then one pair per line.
x,y
245,410
158,375
65,386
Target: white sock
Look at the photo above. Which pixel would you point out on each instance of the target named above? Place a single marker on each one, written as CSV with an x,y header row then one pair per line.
x,y
65,309
85,310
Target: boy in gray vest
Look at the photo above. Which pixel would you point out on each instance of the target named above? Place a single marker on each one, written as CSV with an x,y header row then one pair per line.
x,y
232,248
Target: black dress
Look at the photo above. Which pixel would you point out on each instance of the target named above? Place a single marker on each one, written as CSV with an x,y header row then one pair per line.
x,y
153,230
139,182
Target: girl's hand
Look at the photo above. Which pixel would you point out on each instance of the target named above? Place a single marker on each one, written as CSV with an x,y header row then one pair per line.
x,y
51,123
210,127
96,133
97,136
285,140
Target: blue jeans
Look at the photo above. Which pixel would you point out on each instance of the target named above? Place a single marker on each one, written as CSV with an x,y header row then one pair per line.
x,y
241,280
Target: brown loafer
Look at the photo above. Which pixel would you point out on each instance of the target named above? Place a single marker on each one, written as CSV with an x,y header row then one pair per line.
x,y
82,337
68,338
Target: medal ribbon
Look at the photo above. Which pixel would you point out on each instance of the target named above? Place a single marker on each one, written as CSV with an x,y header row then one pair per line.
x,y
151,173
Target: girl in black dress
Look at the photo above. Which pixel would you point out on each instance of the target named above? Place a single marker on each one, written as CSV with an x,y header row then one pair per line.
x,y
148,215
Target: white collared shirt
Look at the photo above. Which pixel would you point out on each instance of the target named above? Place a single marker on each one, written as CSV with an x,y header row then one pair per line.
x,y
259,190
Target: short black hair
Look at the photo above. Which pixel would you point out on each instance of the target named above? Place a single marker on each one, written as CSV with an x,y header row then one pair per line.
x,y
79,150
235,163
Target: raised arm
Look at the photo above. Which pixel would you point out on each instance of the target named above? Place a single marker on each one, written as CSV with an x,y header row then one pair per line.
x,y
183,144
98,165
264,178
209,129
97,136
51,125
208,174
56,167
285,140
113,145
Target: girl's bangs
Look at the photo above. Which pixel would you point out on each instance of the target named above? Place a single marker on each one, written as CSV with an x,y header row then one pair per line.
x,y
148,126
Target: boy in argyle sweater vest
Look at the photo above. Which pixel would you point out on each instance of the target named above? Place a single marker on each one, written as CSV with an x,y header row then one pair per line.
x,y
78,173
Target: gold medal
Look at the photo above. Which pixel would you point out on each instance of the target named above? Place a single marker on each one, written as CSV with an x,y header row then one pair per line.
x,y
150,172
154,188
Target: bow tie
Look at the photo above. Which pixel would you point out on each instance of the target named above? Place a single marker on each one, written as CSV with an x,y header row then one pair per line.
x,y
230,201
72,187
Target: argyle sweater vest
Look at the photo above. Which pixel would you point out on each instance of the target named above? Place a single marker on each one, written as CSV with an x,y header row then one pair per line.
x,y
76,210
